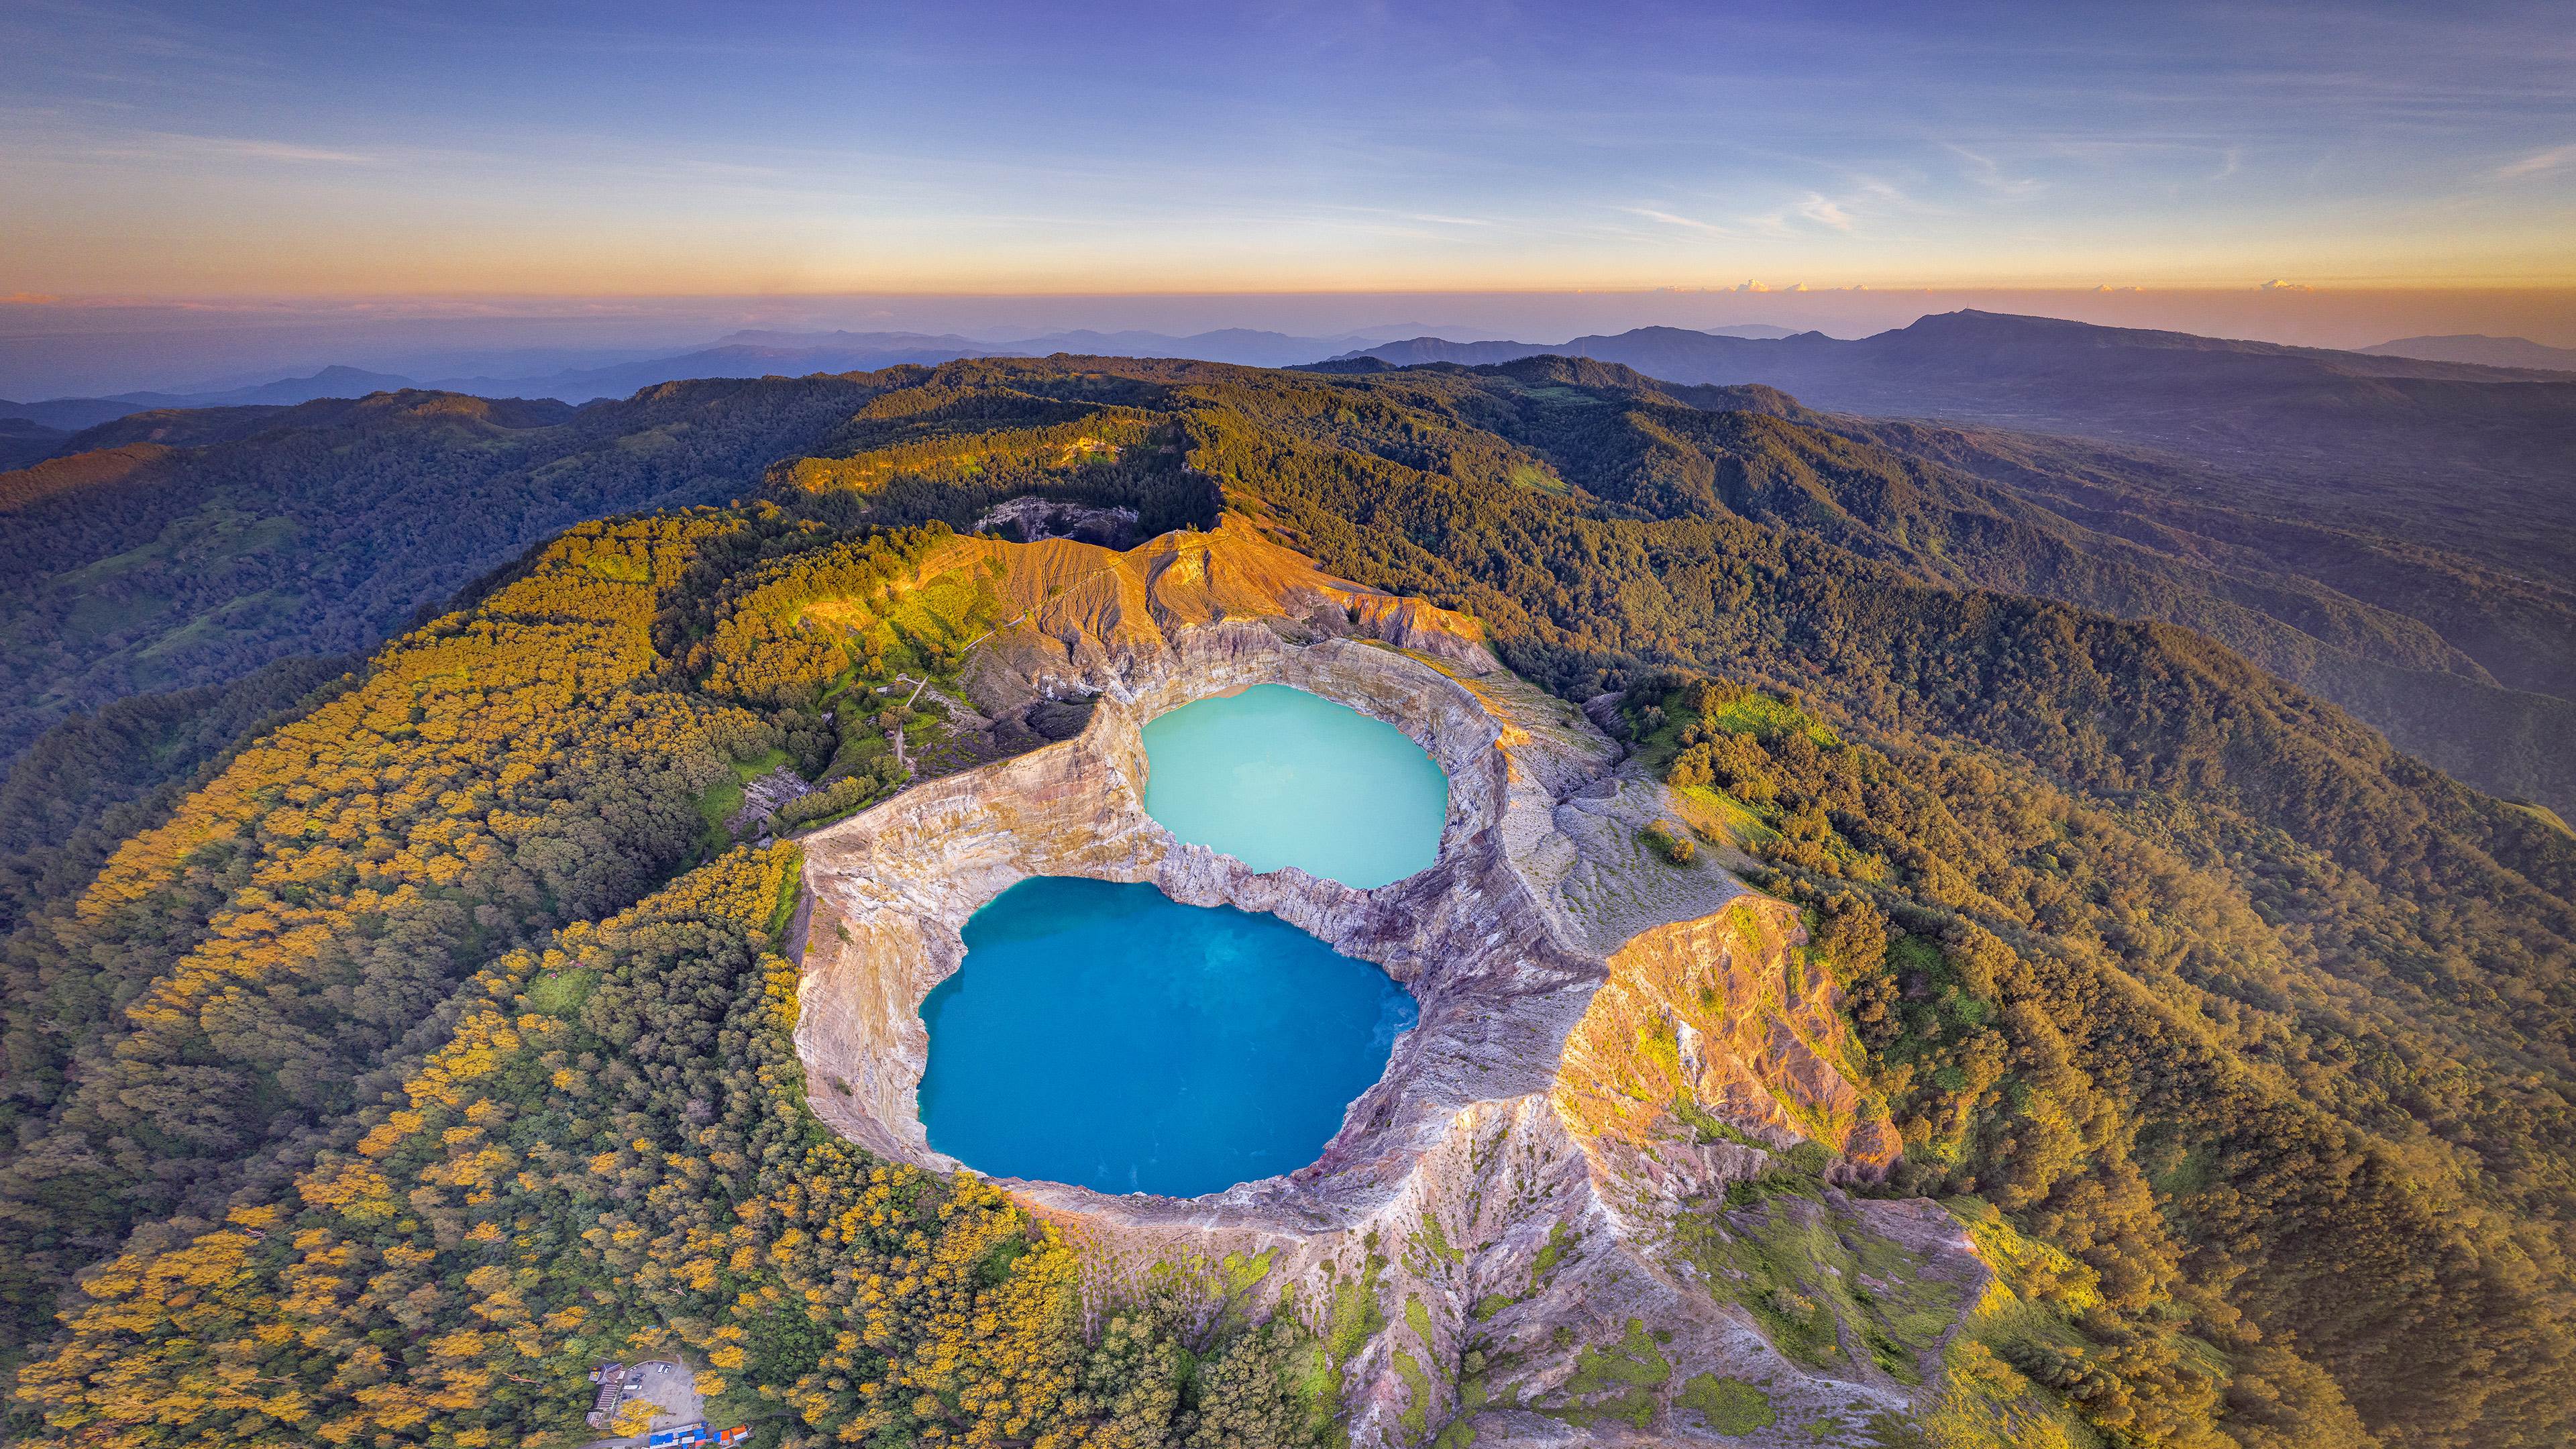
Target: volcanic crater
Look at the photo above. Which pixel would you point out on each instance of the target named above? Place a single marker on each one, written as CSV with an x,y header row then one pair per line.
x,y
1538,1186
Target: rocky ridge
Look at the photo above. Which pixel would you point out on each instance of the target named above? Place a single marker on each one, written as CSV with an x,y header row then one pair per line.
x,y
1560,1216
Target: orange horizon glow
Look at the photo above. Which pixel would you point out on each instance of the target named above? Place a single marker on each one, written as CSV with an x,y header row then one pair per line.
x,y
654,154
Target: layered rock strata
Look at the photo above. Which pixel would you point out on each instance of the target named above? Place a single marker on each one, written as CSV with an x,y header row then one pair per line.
x,y
1524,1227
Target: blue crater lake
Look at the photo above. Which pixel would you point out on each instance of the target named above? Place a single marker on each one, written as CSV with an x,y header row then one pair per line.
x,y
1275,777
1108,1036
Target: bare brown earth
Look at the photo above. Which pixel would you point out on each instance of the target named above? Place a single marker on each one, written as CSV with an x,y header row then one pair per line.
x,y
1522,1228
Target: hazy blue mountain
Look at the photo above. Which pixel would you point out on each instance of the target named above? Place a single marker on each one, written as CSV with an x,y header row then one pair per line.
x,y
843,338
332,381
2479,348
793,355
1414,351
24,441
73,414
1243,345
747,354
750,352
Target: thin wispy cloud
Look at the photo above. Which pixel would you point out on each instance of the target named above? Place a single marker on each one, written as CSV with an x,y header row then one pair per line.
x,y
170,146
1880,192
1824,211
1691,223
1984,171
2538,163
279,151
1816,211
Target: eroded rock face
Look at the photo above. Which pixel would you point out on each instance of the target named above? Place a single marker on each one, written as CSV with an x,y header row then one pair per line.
x,y
1523,1226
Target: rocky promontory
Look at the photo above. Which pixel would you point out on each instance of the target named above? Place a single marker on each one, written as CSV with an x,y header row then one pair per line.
x,y
1598,1195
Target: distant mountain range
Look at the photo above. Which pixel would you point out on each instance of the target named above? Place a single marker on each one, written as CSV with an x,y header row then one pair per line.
x,y
1993,341
2479,348
752,354
34,430
71,414
2346,438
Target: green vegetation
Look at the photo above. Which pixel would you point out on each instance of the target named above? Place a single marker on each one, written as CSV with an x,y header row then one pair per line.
x,y
2289,513
325,528
2248,1036
1435,1244
1721,819
1974,788
723,800
1725,1405
1669,847
1354,1316
1615,1382
1416,1417
1817,1281
2545,816
1417,1318
1709,1128
96,779
1550,1252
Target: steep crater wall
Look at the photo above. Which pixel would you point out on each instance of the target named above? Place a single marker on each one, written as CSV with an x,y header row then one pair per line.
x,y
894,887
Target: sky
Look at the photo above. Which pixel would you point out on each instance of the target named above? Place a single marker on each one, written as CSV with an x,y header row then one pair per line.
x,y
347,153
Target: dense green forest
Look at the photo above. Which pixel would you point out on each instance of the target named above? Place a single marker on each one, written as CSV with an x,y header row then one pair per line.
x,y
2471,460
429,1046
95,779
2463,663
190,548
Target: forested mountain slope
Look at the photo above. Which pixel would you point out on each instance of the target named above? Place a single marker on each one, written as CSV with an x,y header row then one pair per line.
x,y
2257,1028
2469,459
24,441
90,782
2468,665
189,548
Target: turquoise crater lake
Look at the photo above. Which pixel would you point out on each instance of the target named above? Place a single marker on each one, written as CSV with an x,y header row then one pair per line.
x,y
1276,777
1107,1036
